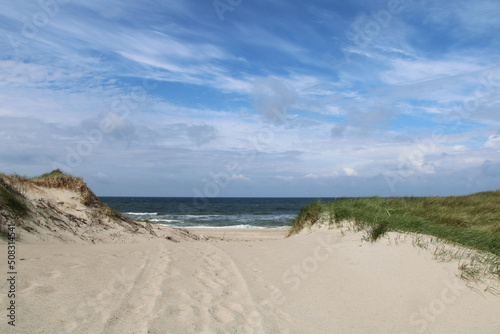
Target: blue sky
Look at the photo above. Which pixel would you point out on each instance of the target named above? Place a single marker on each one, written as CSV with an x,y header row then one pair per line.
x,y
253,98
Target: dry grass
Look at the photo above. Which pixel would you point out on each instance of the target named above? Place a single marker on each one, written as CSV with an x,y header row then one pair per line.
x,y
57,179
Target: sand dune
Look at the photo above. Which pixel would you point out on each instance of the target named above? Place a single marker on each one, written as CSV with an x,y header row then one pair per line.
x,y
317,282
79,271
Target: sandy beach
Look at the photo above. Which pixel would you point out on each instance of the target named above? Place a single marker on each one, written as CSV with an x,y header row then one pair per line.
x,y
245,281
81,267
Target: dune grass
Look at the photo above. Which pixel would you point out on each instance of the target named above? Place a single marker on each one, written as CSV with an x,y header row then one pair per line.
x,y
11,191
472,220
60,180
11,199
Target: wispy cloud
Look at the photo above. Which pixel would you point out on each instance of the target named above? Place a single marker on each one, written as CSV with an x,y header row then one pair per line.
x,y
286,92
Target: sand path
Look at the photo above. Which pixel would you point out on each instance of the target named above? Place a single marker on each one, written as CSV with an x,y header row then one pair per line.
x,y
320,282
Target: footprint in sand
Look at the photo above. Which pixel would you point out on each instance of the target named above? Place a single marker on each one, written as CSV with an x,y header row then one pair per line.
x,y
173,272
183,308
76,265
29,286
222,314
35,287
214,298
202,297
235,307
257,275
52,274
181,294
211,284
44,289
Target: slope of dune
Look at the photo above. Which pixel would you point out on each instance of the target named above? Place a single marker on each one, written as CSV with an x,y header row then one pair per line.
x,y
83,268
60,208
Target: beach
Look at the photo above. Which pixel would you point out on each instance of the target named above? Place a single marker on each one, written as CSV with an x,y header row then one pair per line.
x,y
74,265
250,167
245,281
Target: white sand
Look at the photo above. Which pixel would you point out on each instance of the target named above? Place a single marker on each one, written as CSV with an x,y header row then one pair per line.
x,y
79,271
251,281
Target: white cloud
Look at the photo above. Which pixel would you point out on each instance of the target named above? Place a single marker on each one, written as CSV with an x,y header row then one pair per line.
x,y
459,148
285,178
239,177
469,19
410,71
214,81
273,98
493,142
350,171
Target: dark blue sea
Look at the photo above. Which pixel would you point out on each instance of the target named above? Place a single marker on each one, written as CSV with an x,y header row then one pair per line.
x,y
211,212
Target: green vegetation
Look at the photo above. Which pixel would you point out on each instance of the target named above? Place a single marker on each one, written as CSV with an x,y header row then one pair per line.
x,y
60,180
54,174
472,221
308,215
11,199
10,192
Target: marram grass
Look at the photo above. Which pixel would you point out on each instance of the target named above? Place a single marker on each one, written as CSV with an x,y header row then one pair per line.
x,y
472,220
12,188
11,199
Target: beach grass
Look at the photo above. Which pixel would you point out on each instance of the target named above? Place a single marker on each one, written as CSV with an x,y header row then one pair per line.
x,y
472,220
10,198
60,180
13,186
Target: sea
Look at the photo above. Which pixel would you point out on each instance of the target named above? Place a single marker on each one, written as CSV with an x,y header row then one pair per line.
x,y
212,212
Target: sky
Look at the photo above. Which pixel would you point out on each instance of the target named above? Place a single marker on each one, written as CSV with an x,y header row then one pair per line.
x,y
203,98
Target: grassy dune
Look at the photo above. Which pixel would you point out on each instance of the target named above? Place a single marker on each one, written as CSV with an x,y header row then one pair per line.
x,y
12,188
472,221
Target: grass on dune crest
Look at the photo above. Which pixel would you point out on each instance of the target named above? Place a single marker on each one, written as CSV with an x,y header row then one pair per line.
x,y
60,180
12,188
55,179
472,220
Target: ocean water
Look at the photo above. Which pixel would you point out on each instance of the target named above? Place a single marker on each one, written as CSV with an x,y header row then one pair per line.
x,y
211,212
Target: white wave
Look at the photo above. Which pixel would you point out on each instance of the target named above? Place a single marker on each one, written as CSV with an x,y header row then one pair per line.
x,y
236,227
141,213
163,220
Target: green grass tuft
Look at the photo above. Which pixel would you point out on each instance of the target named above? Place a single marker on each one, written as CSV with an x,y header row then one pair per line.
x,y
54,173
472,221
11,199
308,215
378,230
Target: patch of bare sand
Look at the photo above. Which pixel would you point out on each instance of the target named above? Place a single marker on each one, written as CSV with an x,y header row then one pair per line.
x,y
321,281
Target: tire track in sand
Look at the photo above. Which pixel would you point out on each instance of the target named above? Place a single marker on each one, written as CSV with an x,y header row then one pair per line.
x,y
137,307
212,298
